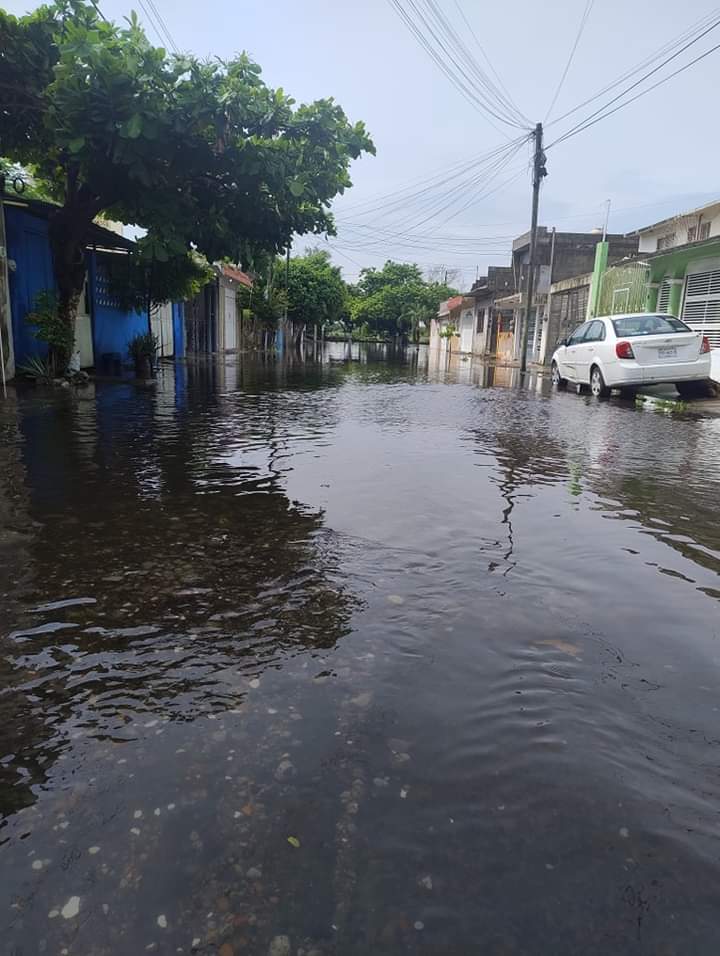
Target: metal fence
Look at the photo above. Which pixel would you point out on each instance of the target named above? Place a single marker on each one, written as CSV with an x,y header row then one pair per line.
x,y
623,289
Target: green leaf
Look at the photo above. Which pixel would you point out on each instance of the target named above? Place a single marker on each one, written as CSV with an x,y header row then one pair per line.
x,y
75,145
296,188
293,841
134,126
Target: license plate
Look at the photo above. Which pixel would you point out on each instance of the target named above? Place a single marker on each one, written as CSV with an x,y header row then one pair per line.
x,y
667,353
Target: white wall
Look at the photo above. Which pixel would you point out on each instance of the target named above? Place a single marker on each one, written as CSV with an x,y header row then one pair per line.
x,y
680,225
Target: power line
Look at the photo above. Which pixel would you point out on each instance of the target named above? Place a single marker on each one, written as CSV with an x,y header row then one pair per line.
x,y
163,24
579,129
458,45
159,27
100,13
452,69
489,62
693,31
406,194
581,27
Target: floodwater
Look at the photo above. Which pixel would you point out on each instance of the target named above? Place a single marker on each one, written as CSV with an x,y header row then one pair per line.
x,y
361,656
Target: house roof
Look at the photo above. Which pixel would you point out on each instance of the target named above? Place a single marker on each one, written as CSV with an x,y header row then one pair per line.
x,y
237,275
95,235
671,219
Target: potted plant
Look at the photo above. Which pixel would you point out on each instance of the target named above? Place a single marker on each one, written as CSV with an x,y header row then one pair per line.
x,y
143,351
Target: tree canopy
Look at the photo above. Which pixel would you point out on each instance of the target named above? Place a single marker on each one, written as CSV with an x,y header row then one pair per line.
x,y
395,299
202,155
316,291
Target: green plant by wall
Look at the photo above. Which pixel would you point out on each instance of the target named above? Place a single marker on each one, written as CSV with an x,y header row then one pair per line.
x,y
144,345
52,330
448,332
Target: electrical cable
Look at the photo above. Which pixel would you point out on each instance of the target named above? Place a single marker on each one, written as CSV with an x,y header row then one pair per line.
x,y
581,27
457,76
480,47
710,19
585,124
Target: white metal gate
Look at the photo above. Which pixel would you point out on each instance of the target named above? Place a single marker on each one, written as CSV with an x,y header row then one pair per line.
x,y
701,304
161,323
466,332
230,321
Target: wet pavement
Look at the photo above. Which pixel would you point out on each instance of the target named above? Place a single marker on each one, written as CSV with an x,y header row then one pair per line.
x,y
367,656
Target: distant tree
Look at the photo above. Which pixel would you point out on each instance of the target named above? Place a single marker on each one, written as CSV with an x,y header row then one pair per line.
x,y
316,292
203,155
395,300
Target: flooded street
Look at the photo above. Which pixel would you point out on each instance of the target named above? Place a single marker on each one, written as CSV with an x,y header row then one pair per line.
x,y
357,657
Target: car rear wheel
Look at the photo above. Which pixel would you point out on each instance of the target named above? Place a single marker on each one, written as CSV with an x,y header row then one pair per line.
x,y
597,383
557,379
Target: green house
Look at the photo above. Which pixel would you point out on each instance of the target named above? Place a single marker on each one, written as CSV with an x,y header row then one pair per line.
x,y
682,254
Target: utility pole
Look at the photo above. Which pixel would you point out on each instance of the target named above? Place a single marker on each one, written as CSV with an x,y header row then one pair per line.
x,y
539,173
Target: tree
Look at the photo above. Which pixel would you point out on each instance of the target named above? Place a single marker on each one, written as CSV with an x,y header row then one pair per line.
x,y
316,291
394,300
203,155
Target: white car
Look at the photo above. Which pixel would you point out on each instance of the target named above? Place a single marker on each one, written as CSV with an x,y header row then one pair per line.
x,y
627,351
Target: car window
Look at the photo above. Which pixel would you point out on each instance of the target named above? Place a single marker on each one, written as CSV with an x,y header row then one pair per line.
x,y
595,332
633,325
578,335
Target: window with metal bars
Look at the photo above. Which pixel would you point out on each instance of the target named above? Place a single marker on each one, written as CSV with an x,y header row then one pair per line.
x,y
663,299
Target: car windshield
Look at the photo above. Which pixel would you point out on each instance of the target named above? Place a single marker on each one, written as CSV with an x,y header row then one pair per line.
x,y
648,325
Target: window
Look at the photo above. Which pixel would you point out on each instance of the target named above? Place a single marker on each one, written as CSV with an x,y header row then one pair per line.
x,y
634,325
667,241
579,334
699,232
480,325
595,332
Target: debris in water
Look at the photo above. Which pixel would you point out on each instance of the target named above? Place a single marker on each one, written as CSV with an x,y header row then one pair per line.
x,y
426,881
624,833
71,909
293,841
395,599
565,646
279,946
162,921
418,924
93,850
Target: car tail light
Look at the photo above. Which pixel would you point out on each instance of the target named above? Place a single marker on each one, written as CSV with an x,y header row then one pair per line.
x,y
624,350
705,347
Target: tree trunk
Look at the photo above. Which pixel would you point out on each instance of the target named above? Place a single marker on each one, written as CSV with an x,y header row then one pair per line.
x,y
67,230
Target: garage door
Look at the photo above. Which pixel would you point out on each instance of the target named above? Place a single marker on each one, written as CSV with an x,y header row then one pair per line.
x,y
701,304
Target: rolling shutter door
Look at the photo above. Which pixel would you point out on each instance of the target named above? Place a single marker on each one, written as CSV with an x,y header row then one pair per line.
x,y
701,305
663,300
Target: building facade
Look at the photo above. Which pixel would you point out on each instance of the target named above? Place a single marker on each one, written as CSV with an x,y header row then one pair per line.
x,y
103,327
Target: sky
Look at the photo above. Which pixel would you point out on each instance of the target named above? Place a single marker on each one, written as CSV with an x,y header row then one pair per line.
x,y
429,137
